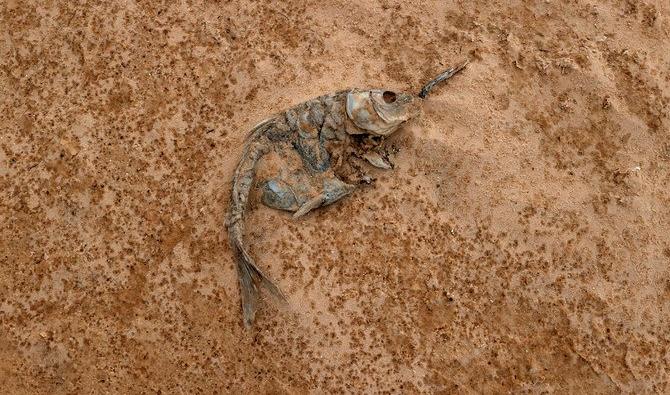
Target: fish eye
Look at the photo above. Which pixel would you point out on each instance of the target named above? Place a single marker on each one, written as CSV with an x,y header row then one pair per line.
x,y
389,97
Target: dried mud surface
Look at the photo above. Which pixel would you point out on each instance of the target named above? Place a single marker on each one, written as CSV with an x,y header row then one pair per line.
x,y
521,244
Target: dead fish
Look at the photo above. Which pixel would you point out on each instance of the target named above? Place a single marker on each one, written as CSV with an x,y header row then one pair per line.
x,y
312,130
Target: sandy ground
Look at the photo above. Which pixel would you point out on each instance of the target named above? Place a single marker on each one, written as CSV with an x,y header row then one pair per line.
x,y
521,244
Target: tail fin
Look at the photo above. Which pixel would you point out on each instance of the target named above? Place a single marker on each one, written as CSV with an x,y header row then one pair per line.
x,y
249,274
250,277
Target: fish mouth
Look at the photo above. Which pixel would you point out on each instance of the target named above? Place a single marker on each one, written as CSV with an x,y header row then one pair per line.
x,y
445,75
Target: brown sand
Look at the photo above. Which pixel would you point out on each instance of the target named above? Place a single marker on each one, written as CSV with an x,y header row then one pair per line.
x,y
522,243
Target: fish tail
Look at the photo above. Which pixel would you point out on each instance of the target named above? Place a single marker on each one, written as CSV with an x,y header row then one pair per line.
x,y
248,272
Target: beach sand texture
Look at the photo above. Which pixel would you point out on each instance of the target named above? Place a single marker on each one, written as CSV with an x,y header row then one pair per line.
x,y
522,243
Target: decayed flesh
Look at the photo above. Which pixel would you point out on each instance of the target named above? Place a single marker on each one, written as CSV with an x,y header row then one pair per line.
x,y
324,133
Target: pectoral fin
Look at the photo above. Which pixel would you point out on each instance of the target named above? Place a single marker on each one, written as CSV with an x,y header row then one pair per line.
x,y
333,189
377,160
309,205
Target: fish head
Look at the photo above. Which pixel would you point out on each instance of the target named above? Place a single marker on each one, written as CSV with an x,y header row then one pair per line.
x,y
380,112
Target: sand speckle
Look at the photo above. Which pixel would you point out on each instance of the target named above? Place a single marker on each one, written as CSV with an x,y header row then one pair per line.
x,y
521,244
